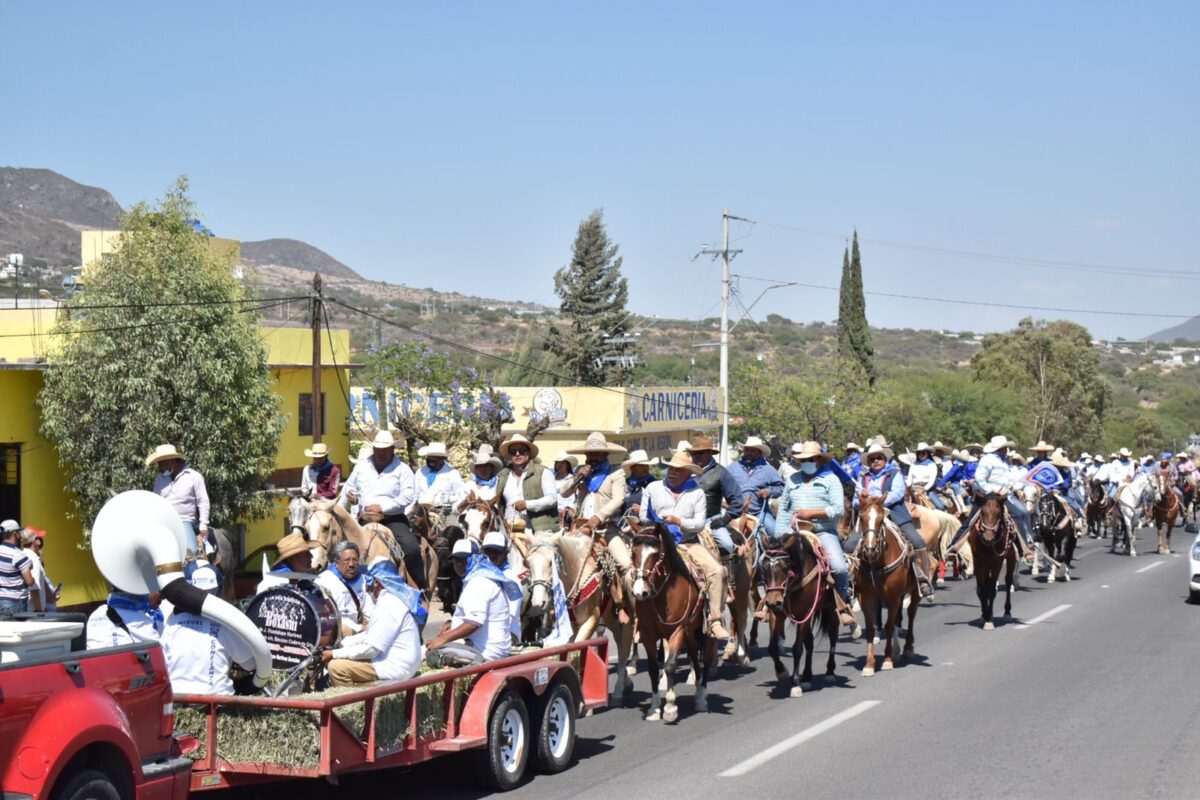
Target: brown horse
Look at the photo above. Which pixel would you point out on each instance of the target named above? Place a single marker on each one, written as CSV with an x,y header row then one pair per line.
x,y
1165,511
743,573
670,607
993,541
797,589
883,574
1093,511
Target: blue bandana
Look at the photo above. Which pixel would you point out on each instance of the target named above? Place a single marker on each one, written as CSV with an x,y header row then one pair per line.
x,y
386,573
599,473
761,461
491,483
135,602
430,476
635,482
480,566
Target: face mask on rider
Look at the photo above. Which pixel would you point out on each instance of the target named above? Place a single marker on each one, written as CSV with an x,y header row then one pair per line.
x,y
808,468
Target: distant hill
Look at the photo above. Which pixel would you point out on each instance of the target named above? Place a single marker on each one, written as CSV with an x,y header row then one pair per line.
x,y
297,255
42,212
1189,330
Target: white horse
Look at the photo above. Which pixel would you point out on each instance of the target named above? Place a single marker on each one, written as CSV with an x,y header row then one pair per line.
x,y
1129,510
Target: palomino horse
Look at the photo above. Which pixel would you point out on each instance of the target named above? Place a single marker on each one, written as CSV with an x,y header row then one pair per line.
x,y
1165,510
1128,510
883,574
744,577
797,589
1053,535
993,541
937,528
1093,510
670,607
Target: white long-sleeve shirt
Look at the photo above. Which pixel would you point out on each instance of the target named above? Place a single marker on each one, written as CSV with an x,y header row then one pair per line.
x,y
923,474
992,474
186,493
689,506
1116,471
344,596
392,489
391,642
514,490
443,488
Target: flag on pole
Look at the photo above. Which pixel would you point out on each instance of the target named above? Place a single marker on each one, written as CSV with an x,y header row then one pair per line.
x,y
1046,476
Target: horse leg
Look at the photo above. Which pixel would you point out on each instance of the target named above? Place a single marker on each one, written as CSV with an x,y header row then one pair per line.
x,y
867,602
774,631
588,615
674,644
832,625
807,642
894,611
1009,579
696,646
985,589
913,601
653,658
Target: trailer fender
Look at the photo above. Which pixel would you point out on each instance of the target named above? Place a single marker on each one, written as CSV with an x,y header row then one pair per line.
x,y
531,679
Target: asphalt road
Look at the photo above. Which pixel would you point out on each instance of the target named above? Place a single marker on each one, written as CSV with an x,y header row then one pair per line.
x,y
1088,692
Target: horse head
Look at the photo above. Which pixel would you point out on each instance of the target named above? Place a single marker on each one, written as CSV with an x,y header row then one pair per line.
x,y
991,514
298,509
542,560
479,518
322,526
871,516
776,568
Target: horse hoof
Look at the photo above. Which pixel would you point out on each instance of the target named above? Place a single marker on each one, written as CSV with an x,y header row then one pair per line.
x,y
805,686
781,674
797,691
887,665
631,670
744,661
670,714
654,716
988,626
868,672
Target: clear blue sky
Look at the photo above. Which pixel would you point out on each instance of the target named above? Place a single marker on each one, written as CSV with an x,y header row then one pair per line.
x,y
457,145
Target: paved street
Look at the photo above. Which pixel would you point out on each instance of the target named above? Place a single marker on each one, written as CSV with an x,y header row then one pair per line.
x,y
1092,696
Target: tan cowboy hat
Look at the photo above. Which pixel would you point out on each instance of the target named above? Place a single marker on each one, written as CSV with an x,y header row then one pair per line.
x,y
755,443
1059,460
1124,451
877,446
563,455
383,440
1041,447
164,452
292,545
484,455
852,446
518,438
906,458
683,461
1016,458
971,446
433,450
938,447
700,444
923,446
318,450
596,443
809,450
997,443
1182,455
640,458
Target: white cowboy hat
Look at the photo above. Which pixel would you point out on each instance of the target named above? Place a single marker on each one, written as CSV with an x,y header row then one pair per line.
x,y
1059,460
1182,455
906,458
518,438
495,539
485,456
877,446
1016,458
938,447
639,457
997,443
563,455
923,446
682,460
365,451
1041,447
596,443
383,440
1124,451
318,450
433,450
852,446
755,443
1084,454
164,452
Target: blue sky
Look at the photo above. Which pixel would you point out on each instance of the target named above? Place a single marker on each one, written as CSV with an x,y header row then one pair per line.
x,y
457,145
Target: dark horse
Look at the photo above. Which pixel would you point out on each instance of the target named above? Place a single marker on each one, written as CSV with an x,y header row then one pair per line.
x,y
992,541
670,607
1052,527
797,588
1165,510
1094,510
884,574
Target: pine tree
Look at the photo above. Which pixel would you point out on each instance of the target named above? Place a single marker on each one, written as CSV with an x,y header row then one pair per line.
x,y
845,310
858,332
593,294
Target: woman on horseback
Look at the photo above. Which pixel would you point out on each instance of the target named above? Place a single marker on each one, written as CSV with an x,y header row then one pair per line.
x,y
924,474
814,494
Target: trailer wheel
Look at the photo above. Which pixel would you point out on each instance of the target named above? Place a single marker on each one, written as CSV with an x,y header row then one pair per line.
x,y
87,784
556,730
502,765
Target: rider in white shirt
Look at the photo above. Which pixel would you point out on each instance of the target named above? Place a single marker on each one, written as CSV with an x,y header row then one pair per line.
x,y
1117,472
485,467
924,473
437,483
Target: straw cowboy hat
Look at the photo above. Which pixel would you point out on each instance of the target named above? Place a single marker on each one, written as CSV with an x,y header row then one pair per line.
x,y
318,450
877,447
681,460
1016,458
1182,455
1124,451
802,450
907,458
755,443
938,447
563,455
383,440
164,452
997,443
596,443
292,545
1041,447
923,446
433,450
639,458
852,446
518,438
701,444
484,455
1059,460
971,446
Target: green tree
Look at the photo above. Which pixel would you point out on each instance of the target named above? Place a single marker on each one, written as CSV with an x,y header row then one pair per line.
x,y
1147,434
1053,367
191,370
593,295
854,334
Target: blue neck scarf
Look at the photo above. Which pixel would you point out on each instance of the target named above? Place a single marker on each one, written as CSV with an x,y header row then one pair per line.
x,y
750,464
135,602
430,475
599,473
490,483
480,566
654,517
635,482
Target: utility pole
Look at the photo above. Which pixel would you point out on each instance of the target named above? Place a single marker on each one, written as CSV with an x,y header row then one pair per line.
x,y
725,334
317,306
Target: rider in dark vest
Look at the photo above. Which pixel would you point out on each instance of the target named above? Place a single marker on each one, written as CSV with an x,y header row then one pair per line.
x,y
722,496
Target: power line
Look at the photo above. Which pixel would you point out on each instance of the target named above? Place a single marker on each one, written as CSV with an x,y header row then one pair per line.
x,y
137,325
182,303
1048,263
338,371
982,302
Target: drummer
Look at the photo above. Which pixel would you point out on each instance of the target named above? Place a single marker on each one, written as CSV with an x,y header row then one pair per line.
x,y
295,556
347,585
390,648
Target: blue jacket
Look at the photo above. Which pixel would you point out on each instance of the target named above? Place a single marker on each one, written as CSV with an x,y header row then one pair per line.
x,y
892,480
755,478
969,470
853,465
956,474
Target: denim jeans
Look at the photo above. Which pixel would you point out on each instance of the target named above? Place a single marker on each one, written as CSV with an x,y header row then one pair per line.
x,y
14,606
723,539
1016,509
937,501
837,563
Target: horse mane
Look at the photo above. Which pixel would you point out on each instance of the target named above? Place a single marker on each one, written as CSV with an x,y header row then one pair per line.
x,y
671,551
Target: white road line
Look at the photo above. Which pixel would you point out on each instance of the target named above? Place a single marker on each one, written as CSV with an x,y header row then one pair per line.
x,y
1043,617
800,738
1149,567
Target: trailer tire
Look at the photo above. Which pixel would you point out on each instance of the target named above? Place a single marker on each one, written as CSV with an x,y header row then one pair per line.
x,y
501,765
556,729
87,784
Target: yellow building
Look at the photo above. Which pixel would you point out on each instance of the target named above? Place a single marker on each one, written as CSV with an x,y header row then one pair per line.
x,y
95,244
31,489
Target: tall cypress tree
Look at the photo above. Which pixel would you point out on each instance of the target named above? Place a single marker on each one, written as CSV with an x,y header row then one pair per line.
x,y
593,294
859,331
845,309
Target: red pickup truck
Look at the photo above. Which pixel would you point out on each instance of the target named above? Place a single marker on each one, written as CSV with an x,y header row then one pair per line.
x,y
88,725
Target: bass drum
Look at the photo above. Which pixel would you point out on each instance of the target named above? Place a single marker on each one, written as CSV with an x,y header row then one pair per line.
x,y
295,620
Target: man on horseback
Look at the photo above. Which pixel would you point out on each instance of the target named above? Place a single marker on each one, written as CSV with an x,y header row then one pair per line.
x,y
814,494
183,487
722,493
953,477
1041,454
923,474
757,478
438,483
1116,472
678,502
882,479
600,497
526,488
565,465
852,463
1167,471
484,468
321,478
995,476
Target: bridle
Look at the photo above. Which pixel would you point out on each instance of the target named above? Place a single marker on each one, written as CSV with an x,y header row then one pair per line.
x,y
657,577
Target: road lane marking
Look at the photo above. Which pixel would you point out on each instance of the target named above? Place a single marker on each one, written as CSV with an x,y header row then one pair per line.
x,y
1043,617
1149,567
1104,586
800,738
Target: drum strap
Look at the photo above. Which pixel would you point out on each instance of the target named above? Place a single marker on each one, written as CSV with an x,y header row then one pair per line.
x,y
115,619
354,597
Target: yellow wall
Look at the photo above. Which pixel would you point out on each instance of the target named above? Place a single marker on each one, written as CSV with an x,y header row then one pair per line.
x,y
93,245
25,333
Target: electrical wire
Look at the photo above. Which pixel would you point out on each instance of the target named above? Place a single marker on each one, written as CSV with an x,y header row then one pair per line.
x,y
180,304
135,326
338,371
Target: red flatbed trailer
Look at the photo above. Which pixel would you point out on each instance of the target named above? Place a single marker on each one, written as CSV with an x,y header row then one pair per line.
x,y
517,710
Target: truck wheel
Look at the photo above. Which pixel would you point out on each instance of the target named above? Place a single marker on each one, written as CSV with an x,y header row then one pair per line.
x,y
502,765
87,784
556,730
